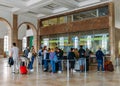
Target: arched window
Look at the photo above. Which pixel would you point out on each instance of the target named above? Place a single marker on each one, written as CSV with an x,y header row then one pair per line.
x,y
24,43
6,43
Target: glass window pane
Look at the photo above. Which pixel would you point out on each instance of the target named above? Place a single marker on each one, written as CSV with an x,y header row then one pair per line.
x,y
69,18
24,43
103,11
45,23
61,20
53,21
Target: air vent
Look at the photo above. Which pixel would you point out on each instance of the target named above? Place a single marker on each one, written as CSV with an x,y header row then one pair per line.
x,y
79,0
52,6
25,0
32,12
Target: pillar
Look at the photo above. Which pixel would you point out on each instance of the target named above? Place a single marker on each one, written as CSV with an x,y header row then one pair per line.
x,y
39,25
112,32
15,29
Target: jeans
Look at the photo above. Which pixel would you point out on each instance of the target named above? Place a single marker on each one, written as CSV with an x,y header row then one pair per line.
x,y
45,64
30,65
53,66
100,63
60,65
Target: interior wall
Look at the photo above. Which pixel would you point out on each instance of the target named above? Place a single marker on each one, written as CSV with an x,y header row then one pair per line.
x,y
20,45
1,46
117,13
22,19
7,15
22,32
117,38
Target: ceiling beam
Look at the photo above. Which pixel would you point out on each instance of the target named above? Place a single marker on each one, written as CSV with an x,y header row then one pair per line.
x,y
15,3
33,6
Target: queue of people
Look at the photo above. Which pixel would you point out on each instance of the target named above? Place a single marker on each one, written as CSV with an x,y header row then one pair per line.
x,y
48,56
51,59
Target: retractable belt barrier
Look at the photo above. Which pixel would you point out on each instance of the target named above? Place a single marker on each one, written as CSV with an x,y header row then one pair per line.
x,y
62,61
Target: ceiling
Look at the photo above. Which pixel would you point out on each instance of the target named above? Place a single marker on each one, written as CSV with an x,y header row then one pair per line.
x,y
44,8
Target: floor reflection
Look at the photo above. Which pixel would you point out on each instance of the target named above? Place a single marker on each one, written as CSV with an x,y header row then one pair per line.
x,y
40,78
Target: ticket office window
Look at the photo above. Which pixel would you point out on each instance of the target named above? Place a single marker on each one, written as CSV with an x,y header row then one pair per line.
x,y
93,42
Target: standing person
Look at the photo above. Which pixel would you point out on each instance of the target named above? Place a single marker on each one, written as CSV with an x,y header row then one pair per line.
x,y
26,51
99,56
14,53
59,54
33,57
87,54
71,57
52,55
76,54
82,58
40,52
44,57
81,52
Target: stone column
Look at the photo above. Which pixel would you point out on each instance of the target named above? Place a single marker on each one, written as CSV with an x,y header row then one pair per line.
x,y
15,29
39,25
112,32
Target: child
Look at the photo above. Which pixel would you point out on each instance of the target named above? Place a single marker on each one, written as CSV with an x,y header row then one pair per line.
x,y
23,69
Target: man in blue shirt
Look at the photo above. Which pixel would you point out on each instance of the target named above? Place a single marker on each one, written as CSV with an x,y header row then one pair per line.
x,y
99,57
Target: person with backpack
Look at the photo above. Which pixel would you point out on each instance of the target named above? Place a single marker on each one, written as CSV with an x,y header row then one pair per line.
x,y
81,52
99,57
87,54
40,52
26,51
71,58
82,58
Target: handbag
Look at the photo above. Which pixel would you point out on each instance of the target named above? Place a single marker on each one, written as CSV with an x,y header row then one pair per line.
x,y
10,61
55,59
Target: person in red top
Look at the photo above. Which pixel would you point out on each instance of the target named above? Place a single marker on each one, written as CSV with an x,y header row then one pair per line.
x,y
23,68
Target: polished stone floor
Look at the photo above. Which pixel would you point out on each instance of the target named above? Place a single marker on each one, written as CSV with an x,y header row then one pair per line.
x,y
40,78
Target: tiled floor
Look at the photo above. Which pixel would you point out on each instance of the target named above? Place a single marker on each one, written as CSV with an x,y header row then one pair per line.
x,y
40,78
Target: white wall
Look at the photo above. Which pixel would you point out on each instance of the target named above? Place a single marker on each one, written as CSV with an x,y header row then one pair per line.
x,y
22,19
117,13
22,31
7,15
3,29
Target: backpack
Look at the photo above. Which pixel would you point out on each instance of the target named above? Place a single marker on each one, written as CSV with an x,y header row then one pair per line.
x,y
40,53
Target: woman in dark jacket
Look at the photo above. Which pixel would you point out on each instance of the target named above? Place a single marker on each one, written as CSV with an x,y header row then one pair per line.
x,y
71,57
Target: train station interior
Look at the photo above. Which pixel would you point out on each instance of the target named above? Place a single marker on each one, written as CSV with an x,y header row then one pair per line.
x,y
60,26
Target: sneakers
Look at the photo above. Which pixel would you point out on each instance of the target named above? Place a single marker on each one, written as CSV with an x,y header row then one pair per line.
x,y
31,70
74,71
59,71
